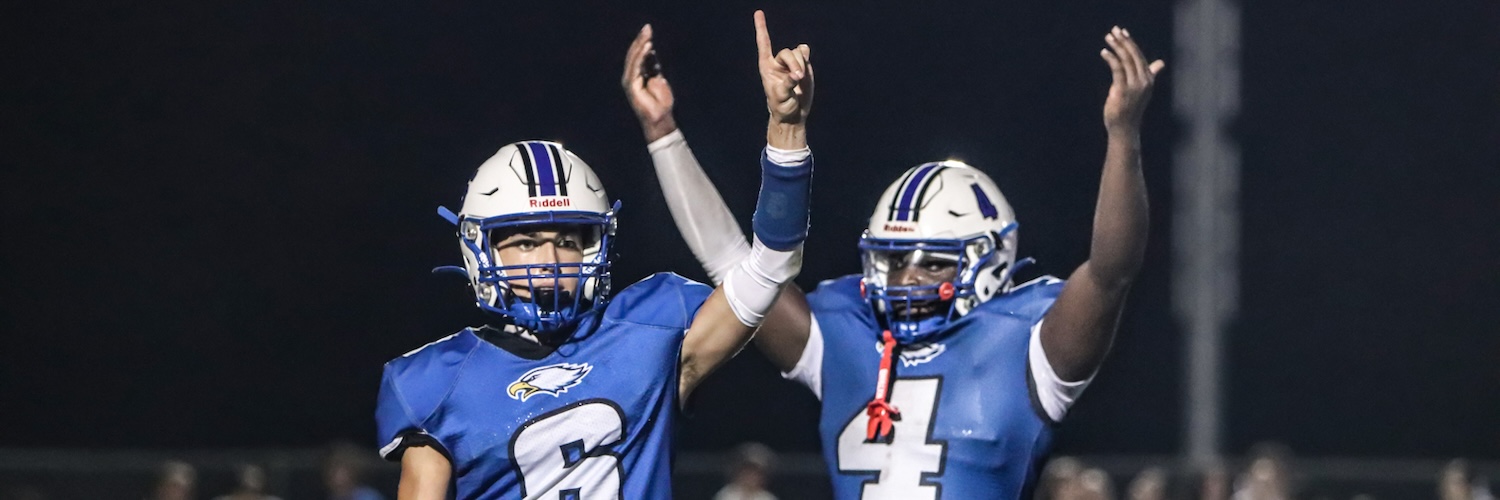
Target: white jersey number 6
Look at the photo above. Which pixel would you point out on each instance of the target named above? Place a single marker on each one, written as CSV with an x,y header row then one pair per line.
x,y
565,453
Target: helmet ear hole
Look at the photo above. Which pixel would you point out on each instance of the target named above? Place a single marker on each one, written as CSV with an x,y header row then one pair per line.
x,y
470,230
592,236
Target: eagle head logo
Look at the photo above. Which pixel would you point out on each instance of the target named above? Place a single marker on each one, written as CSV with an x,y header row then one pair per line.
x,y
552,379
916,354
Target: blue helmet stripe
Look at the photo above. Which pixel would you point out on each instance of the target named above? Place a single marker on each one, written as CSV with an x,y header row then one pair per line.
x,y
896,200
543,165
916,212
907,202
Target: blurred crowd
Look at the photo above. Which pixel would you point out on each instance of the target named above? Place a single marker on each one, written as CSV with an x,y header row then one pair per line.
x,y
343,467
749,474
1268,474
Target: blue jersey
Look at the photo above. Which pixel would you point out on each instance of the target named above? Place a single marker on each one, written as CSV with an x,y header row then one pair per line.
x,y
593,419
969,425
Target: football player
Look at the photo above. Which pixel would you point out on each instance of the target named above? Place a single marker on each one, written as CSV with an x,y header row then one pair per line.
x,y
938,377
571,392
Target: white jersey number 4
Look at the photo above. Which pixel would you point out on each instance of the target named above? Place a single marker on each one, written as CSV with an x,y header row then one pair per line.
x,y
909,459
565,453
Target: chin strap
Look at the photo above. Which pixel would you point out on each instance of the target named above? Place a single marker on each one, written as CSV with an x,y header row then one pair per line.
x,y
882,414
447,215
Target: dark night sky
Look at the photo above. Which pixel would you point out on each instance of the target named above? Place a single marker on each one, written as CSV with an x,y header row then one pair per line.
x,y
218,218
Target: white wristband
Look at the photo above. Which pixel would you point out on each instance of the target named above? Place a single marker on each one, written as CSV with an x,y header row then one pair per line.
x,y
787,157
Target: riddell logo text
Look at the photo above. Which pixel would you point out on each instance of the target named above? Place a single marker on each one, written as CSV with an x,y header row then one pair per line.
x,y
551,203
899,229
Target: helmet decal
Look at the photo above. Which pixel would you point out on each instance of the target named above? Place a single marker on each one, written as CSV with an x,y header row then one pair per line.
x,y
986,208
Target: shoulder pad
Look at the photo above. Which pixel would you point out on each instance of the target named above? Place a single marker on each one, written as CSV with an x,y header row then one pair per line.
x,y
423,376
1031,299
836,293
662,299
1041,283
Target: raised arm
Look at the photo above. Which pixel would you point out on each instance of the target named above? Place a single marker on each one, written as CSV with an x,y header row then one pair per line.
x,y
647,89
704,220
1077,332
726,321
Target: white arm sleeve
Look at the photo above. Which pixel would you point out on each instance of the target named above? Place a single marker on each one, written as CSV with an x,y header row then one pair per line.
x,y
751,286
809,369
1055,395
700,213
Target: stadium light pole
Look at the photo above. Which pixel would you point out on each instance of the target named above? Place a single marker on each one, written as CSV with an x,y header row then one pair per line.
x,y
1205,217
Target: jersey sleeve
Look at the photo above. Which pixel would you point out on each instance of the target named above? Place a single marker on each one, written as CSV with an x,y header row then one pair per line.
x,y
395,426
836,302
1052,394
693,294
661,300
412,389
809,368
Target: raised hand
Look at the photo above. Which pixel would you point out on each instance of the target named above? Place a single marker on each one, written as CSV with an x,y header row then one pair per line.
x,y
787,78
1133,80
647,89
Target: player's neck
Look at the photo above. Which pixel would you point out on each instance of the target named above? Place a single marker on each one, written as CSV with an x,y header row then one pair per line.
x,y
523,333
519,341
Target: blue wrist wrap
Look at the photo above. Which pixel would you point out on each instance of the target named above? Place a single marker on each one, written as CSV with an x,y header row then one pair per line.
x,y
781,212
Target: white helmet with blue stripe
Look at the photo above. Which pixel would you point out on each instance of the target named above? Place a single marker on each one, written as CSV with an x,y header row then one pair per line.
x,y
946,212
535,184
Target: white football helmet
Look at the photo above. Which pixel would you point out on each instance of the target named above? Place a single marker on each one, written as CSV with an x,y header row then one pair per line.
x,y
536,183
948,211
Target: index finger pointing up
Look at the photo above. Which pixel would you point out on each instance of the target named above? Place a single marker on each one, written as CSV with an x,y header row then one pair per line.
x,y
762,38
